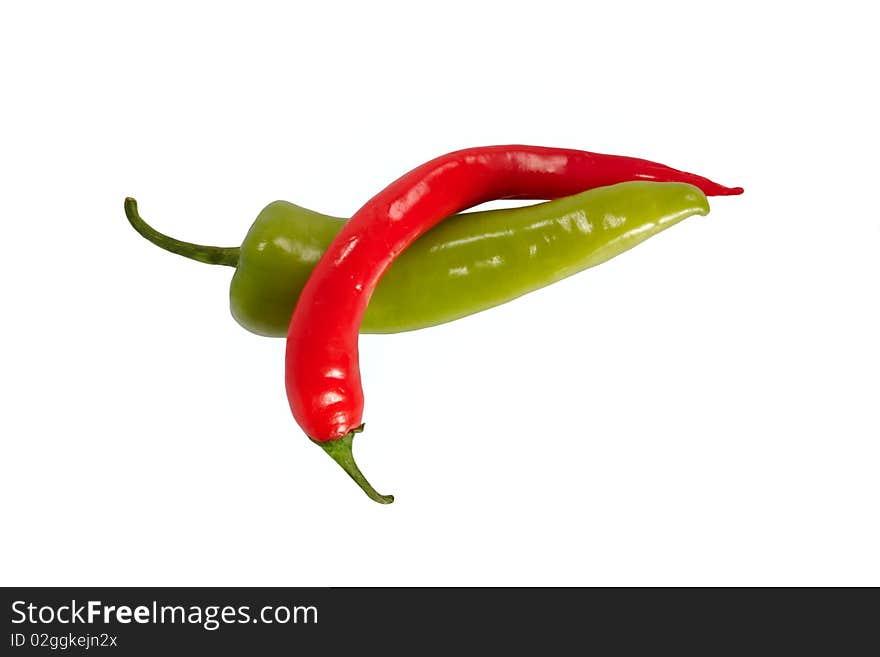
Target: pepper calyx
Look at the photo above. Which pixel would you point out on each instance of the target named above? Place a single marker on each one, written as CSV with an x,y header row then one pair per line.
x,y
211,255
340,451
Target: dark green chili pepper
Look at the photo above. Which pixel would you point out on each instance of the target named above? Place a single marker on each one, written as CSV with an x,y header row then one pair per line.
x,y
468,263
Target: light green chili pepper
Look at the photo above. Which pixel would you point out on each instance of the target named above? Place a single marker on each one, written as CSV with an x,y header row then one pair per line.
x,y
468,263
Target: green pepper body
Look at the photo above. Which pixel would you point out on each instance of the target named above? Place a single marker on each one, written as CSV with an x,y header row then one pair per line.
x,y
468,263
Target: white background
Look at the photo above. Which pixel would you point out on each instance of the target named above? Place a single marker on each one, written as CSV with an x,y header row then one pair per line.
x,y
701,410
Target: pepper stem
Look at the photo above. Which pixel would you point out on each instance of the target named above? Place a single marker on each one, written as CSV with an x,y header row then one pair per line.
x,y
340,451
212,255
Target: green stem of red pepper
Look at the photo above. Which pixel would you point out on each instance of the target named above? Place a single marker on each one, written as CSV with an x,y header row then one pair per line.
x,y
340,451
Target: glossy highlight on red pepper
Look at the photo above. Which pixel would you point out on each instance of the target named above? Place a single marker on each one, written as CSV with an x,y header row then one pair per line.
x,y
322,370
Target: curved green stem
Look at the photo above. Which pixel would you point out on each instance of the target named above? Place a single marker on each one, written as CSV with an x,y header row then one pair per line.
x,y
212,255
340,451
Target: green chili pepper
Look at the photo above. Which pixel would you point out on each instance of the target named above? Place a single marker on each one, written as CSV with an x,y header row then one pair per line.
x,y
468,263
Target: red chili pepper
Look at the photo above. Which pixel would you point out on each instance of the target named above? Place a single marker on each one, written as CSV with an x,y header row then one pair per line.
x,y
322,369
